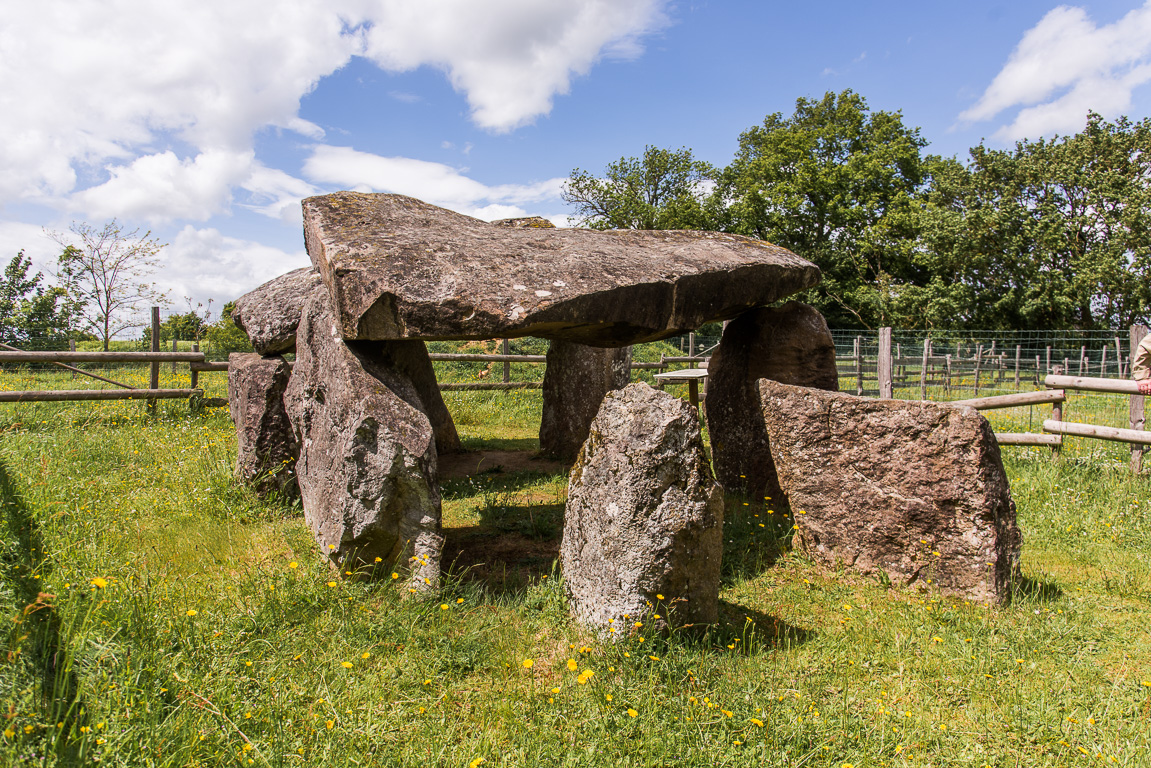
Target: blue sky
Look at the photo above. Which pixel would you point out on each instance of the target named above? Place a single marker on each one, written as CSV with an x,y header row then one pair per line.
x,y
207,121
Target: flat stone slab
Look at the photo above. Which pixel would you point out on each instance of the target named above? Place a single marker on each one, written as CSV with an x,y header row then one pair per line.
x,y
915,490
270,314
399,268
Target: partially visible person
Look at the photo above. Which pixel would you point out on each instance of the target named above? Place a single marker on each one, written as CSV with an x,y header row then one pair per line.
x,y
1141,365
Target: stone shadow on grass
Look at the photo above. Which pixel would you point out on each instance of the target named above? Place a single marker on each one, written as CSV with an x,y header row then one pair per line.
x,y
1034,590
753,540
504,562
750,630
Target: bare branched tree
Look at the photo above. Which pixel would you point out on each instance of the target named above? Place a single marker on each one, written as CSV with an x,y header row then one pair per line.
x,y
108,269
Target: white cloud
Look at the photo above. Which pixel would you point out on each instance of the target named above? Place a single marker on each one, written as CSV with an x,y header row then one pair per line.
x,y
433,182
104,95
1064,66
205,264
509,57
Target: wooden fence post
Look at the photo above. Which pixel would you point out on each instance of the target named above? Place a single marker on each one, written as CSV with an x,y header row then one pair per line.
x,y
883,367
859,365
691,344
154,379
1136,418
1119,357
506,348
978,366
72,348
947,377
175,348
1103,363
195,373
1048,370
923,368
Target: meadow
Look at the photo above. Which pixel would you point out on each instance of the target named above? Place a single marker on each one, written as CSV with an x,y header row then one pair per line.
x,y
156,614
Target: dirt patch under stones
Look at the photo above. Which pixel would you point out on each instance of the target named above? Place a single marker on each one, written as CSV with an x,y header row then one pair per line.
x,y
457,465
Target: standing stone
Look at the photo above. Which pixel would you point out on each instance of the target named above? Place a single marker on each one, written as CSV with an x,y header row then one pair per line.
x,y
269,314
266,449
790,344
913,489
367,466
644,517
411,360
575,382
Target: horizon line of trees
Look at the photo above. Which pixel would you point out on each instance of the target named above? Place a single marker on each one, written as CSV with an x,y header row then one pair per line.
x,y
1052,234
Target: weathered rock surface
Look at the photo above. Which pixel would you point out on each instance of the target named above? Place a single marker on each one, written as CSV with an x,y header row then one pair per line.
x,y
575,382
269,314
399,268
644,516
266,447
411,360
525,222
914,489
367,466
789,344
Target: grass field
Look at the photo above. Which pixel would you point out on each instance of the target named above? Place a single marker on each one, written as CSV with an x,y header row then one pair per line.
x,y
159,615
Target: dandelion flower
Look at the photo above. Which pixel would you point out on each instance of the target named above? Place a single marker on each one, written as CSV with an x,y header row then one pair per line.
x,y
443,606
654,658
556,689
608,697
293,564
99,582
632,713
190,612
395,576
459,600
379,559
330,724
365,655
528,663
757,723
331,583
572,665
346,664
476,763
659,597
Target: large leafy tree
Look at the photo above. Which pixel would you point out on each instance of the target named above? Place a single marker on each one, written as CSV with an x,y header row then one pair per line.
x,y
664,189
1052,234
837,183
108,271
31,313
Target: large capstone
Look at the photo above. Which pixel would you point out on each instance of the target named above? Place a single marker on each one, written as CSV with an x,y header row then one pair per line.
x,y
399,268
643,527
269,314
575,382
367,466
913,490
789,344
266,448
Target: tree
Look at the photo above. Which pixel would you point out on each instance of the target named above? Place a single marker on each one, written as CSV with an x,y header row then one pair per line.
x,y
661,190
107,272
31,312
1053,234
837,184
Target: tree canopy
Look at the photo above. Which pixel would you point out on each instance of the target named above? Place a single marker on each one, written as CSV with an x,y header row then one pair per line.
x,y
1053,234
31,313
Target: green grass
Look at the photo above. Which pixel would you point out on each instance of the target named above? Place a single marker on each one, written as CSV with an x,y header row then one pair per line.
x,y
838,669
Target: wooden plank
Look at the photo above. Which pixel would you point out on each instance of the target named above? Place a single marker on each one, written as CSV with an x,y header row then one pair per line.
x,y
197,367
195,373
72,344
1018,353
1136,436
1026,438
506,349
494,386
68,395
100,357
470,358
1089,384
1015,400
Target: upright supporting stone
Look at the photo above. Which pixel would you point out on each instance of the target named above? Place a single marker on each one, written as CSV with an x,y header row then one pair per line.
x,y
575,383
367,466
643,528
266,448
411,360
913,490
789,344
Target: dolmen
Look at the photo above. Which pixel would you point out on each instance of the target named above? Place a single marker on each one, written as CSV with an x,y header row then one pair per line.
x,y
390,273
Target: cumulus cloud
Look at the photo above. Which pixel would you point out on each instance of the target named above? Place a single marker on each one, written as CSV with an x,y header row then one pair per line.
x,y
436,183
1064,66
100,95
203,263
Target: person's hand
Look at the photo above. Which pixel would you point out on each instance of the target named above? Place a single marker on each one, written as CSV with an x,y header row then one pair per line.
x,y
1144,386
